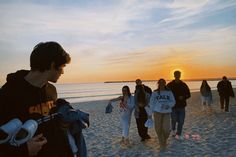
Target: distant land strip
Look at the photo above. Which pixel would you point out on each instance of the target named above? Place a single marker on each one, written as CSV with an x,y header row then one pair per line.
x,y
199,79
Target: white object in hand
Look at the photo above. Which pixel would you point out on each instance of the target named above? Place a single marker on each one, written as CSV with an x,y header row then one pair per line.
x,y
10,129
149,123
26,133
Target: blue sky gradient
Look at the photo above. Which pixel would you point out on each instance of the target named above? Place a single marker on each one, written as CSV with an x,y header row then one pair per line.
x,y
149,37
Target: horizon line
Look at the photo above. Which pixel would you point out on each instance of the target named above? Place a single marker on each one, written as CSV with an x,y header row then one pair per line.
x,y
194,79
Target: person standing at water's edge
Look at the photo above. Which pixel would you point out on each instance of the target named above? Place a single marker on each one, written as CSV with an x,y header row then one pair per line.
x,y
141,101
126,107
181,93
161,103
29,95
225,90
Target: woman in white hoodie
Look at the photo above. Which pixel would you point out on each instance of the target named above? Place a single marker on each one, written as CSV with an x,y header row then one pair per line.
x,y
127,104
161,103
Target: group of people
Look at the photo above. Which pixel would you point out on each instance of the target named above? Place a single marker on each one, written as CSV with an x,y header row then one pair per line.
x,y
166,104
225,90
29,95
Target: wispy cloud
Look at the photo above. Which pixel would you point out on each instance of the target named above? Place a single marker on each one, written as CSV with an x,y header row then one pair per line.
x,y
134,33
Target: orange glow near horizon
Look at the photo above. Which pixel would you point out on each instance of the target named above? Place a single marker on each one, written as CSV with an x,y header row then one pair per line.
x,y
110,74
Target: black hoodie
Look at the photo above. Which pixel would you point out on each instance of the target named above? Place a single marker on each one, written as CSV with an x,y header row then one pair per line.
x,y
20,99
179,89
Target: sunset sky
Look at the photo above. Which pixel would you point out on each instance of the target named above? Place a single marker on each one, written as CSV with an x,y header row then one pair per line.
x,y
123,39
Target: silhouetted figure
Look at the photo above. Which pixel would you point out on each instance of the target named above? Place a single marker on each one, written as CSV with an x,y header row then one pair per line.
x,y
146,88
141,101
225,90
181,93
206,95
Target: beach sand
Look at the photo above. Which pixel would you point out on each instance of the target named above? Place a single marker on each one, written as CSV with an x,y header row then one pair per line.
x,y
217,130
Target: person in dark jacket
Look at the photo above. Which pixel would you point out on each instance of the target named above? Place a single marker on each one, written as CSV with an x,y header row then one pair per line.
x,y
142,99
225,90
181,93
29,95
146,88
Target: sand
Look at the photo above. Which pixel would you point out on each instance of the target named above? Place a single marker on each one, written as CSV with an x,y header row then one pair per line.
x,y
217,130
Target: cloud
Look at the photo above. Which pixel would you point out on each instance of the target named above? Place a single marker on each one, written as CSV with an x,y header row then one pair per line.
x,y
134,33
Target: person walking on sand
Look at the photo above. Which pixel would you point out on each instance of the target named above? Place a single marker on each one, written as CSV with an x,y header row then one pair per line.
x,y
181,93
206,96
225,90
141,101
161,103
126,107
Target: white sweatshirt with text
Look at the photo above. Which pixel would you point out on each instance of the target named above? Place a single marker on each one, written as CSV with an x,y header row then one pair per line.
x,y
162,101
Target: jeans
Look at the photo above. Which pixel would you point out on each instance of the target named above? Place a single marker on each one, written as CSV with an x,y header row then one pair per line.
x,y
178,116
125,121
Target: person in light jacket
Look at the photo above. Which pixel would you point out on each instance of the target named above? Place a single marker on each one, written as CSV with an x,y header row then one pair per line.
x,y
126,107
161,103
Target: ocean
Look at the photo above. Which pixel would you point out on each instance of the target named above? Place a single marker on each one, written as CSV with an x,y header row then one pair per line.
x,y
82,92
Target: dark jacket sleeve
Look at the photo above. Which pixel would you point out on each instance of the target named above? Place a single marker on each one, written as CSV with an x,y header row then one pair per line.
x,y
187,92
231,90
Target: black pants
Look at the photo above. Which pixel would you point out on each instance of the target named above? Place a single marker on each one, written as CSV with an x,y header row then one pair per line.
x,y
142,130
224,100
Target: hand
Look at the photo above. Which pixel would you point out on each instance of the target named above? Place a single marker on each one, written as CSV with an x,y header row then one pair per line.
x,y
35,144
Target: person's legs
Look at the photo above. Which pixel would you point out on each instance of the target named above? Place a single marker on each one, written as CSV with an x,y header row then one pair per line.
x,y
166,127
139,127
173,119
226,104
209,102
158,126
203,103
222,102
125,120
181,117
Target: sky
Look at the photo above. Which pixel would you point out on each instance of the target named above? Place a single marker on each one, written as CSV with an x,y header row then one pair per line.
x,y
112,40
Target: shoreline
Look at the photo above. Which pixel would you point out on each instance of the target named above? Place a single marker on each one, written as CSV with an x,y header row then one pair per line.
x,y
197,79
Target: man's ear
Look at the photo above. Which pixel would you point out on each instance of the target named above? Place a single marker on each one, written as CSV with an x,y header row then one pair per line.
x,y
53,66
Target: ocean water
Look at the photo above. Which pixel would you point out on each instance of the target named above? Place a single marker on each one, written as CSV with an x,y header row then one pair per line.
x,y
81,92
